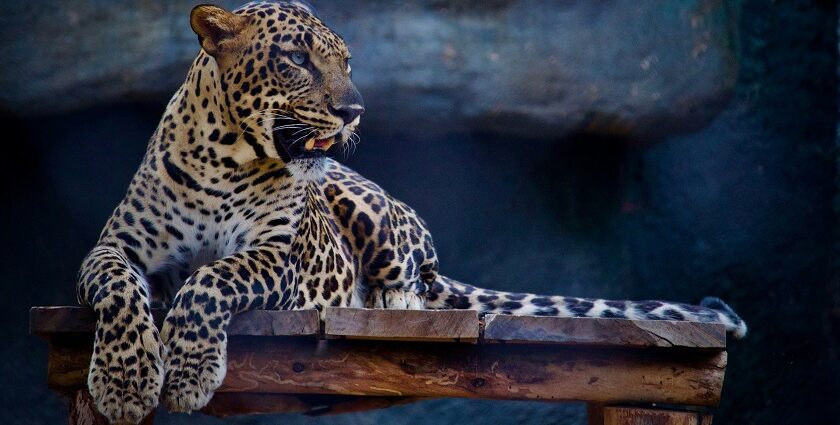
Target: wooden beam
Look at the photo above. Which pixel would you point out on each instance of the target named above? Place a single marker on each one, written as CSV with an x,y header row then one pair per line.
x,y
594,414
614,415
402,325
46,321
408,369
603,332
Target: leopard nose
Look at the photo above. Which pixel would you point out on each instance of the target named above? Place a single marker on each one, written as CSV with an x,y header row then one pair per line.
x,y
347,113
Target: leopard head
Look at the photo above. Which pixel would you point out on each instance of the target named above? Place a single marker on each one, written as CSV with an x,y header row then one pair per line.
x,y
283,76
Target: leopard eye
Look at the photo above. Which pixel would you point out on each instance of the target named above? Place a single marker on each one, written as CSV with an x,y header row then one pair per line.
x,y
299,58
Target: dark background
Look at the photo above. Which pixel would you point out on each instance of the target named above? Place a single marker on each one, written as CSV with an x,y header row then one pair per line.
x,y
742,207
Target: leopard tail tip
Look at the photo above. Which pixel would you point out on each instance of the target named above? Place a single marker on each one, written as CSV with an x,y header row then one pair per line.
x,y
735,326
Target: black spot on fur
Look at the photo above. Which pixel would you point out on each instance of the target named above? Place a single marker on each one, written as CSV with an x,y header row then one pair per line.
x,y
648,306
671,314
578,307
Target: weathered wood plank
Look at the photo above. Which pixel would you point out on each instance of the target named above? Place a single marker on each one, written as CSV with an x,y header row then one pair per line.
x,y
614,415
603,332
57,320
275,323
430,325
402,325
407,369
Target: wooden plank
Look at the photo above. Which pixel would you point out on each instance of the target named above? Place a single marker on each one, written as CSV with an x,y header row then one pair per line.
x,y
275,323
408,369
614,415
429,325
603,332
402,325
60,320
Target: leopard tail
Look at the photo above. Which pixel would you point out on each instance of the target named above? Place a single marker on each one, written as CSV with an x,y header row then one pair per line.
x,y
446,293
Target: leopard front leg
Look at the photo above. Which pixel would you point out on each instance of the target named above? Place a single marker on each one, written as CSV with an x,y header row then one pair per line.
x,y
406,262
194,330
126,369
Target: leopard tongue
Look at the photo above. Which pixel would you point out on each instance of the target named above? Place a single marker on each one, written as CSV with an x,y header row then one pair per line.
x,y
322,144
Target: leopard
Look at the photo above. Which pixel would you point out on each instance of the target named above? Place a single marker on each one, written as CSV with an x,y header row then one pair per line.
x,y
239,204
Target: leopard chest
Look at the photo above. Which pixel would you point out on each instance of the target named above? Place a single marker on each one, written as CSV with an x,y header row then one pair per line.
x,y
325,267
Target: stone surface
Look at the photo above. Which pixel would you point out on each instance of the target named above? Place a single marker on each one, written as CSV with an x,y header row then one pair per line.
x,y
541,69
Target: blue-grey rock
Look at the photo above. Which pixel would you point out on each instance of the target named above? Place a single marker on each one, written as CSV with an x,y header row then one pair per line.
x,y
642,68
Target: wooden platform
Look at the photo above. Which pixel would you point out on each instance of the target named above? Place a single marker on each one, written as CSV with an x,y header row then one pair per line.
x,y
358,359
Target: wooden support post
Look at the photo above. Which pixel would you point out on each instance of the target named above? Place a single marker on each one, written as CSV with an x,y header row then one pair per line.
x,y
595,413
617,415
83,411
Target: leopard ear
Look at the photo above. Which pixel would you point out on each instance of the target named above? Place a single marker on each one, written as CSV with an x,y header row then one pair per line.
x,y
217,29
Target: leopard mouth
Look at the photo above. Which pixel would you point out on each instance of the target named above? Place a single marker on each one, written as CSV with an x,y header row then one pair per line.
x,y
297,141
319,144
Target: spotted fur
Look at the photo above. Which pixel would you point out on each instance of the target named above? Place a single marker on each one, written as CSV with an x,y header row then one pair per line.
x,y
235,208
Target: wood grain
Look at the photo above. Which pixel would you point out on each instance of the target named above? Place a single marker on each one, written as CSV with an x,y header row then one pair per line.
x,y
409,369
638,416
603,332
402,325
497,372
46,321
275,323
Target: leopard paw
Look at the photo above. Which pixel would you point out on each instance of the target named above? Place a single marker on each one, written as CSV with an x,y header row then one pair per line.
x,y
401,299
375,299
126,370
195,362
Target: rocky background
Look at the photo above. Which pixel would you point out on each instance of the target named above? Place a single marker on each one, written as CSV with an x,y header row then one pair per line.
x,y
626,149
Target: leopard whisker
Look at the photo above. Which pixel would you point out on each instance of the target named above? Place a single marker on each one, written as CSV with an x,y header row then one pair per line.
x,y
304,137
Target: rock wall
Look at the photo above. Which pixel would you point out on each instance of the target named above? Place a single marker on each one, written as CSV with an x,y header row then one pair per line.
x,y
541,69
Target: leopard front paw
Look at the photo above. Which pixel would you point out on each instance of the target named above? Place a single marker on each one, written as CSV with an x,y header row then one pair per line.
x,y
401,299
126,370
196,363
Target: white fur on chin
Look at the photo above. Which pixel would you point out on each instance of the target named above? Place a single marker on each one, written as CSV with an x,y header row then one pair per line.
x,y
307,169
